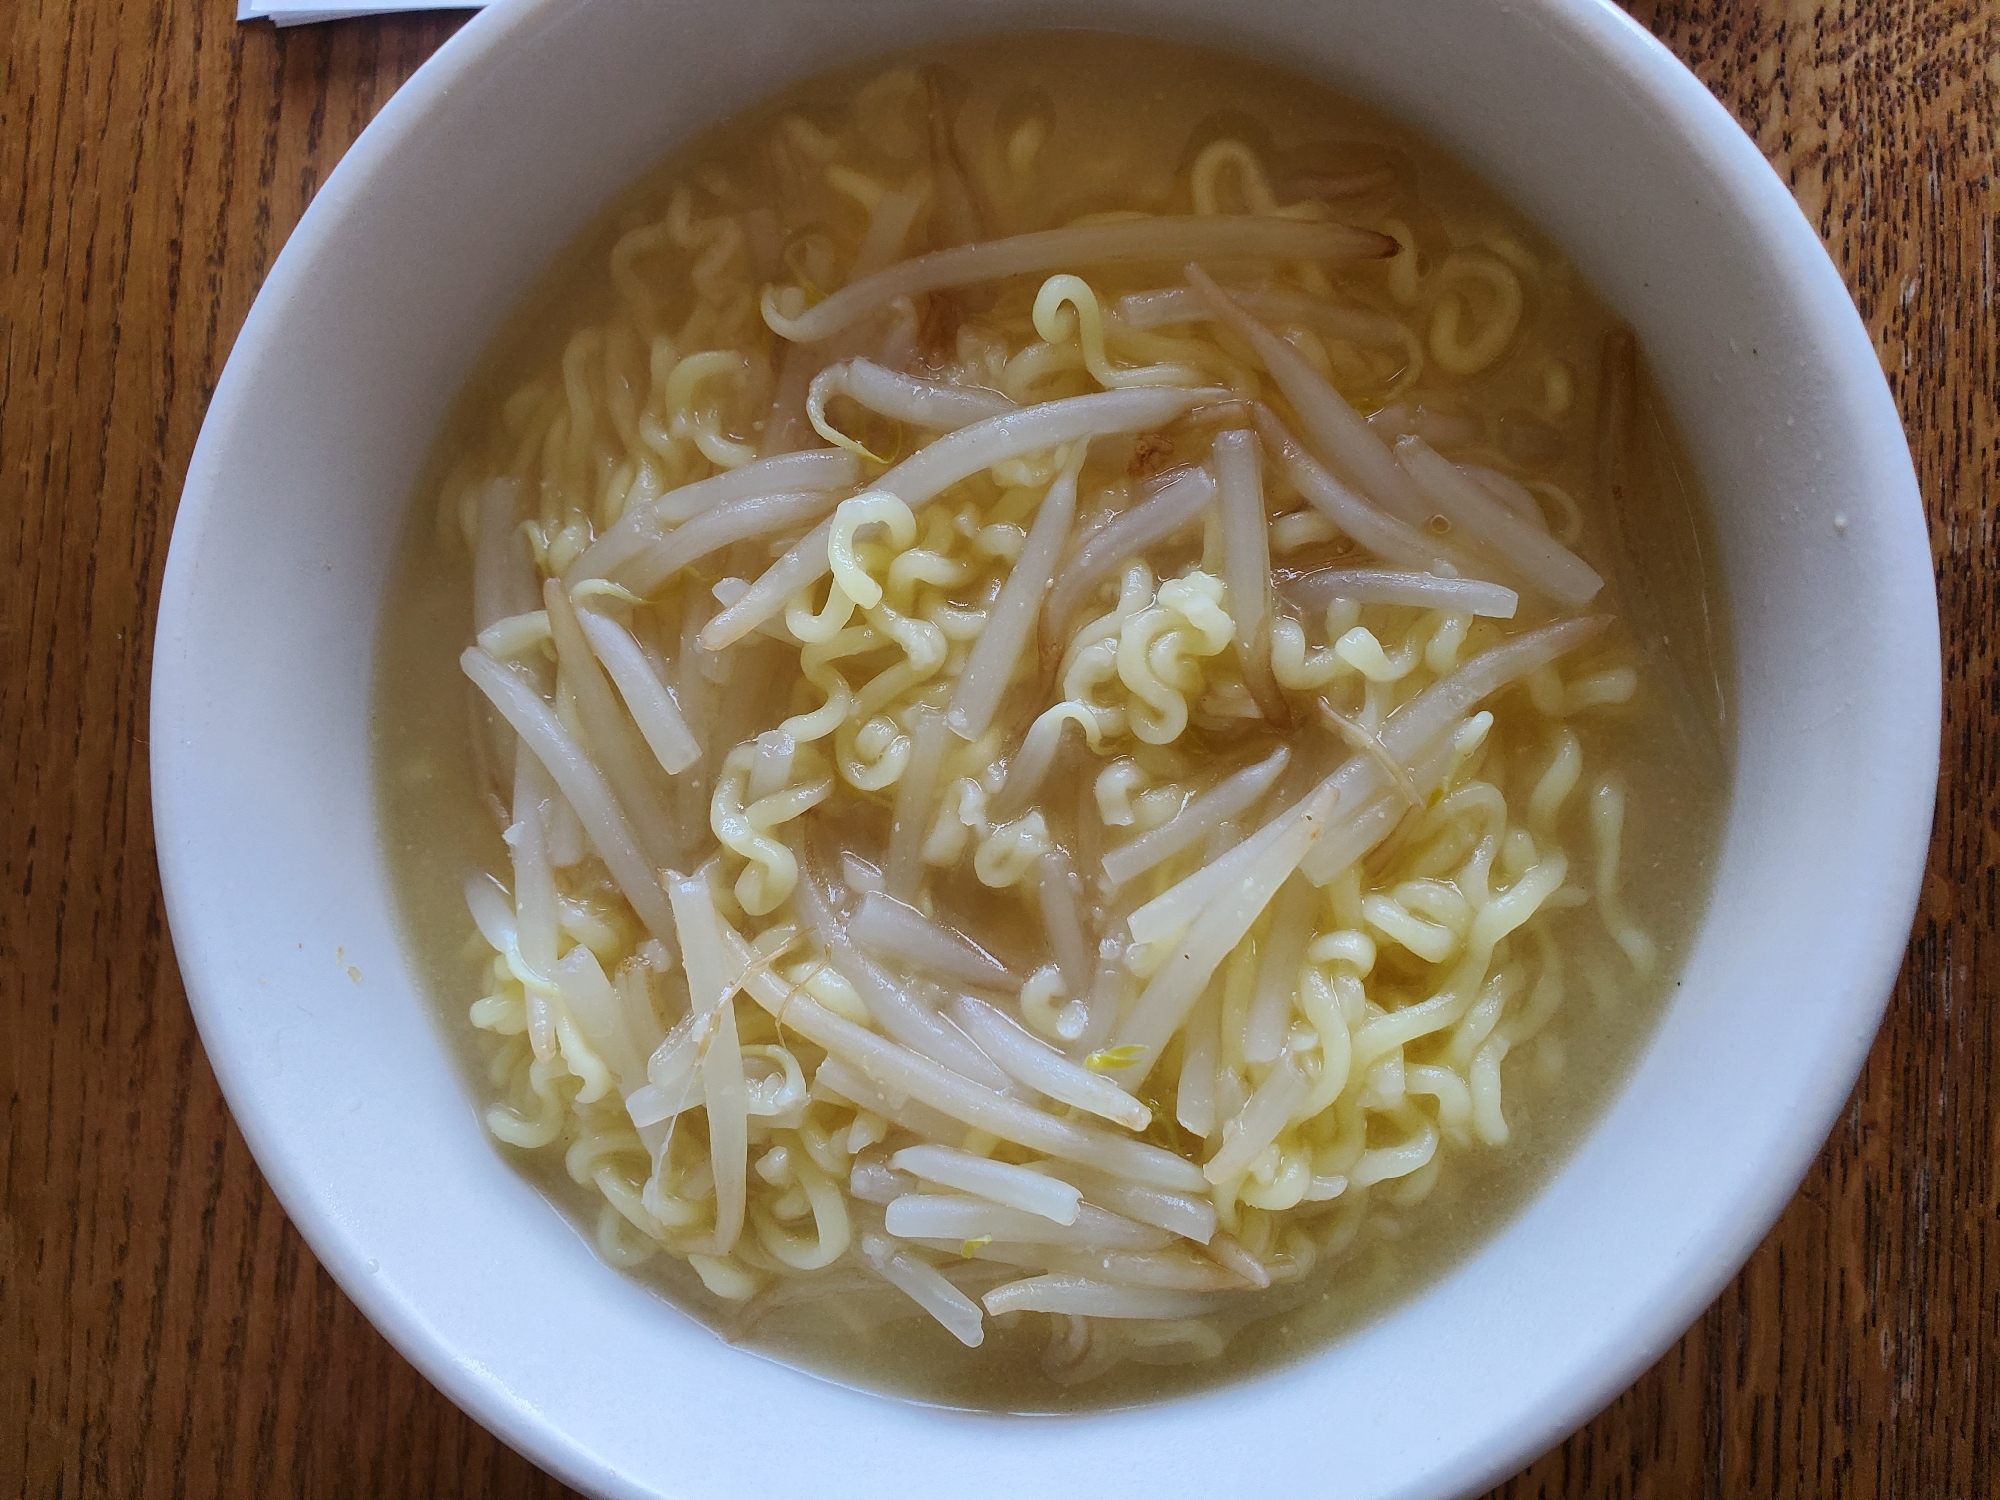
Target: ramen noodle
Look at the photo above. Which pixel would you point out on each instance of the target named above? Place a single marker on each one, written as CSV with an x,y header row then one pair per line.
x,y
1066,664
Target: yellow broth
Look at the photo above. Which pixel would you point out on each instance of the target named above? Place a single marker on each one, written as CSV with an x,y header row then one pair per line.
x,y
1050,127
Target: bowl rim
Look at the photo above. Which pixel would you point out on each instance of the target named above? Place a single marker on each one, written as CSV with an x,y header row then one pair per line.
x,y
1618,43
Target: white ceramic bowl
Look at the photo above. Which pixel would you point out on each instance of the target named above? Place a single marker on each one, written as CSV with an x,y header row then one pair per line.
x,y
480,168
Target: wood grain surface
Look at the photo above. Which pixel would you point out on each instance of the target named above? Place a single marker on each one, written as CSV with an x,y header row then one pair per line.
x,y
164,1331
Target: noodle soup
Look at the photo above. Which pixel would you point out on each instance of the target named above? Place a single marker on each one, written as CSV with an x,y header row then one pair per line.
x,y
1094,720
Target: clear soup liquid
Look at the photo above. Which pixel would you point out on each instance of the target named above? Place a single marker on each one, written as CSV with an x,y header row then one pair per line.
x,y
1044,129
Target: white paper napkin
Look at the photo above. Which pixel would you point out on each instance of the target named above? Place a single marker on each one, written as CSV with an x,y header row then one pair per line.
x,y
305,12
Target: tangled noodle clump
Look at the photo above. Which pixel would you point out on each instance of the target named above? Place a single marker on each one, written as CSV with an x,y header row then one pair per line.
x,y
953,867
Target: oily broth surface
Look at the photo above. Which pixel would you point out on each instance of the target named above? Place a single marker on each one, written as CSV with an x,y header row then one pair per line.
x,y
1123,118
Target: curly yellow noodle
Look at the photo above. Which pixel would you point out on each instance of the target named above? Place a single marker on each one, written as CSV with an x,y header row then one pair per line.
x,y
1423,997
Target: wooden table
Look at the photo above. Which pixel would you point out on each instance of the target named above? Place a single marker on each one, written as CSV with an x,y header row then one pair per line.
x,y
163,1331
